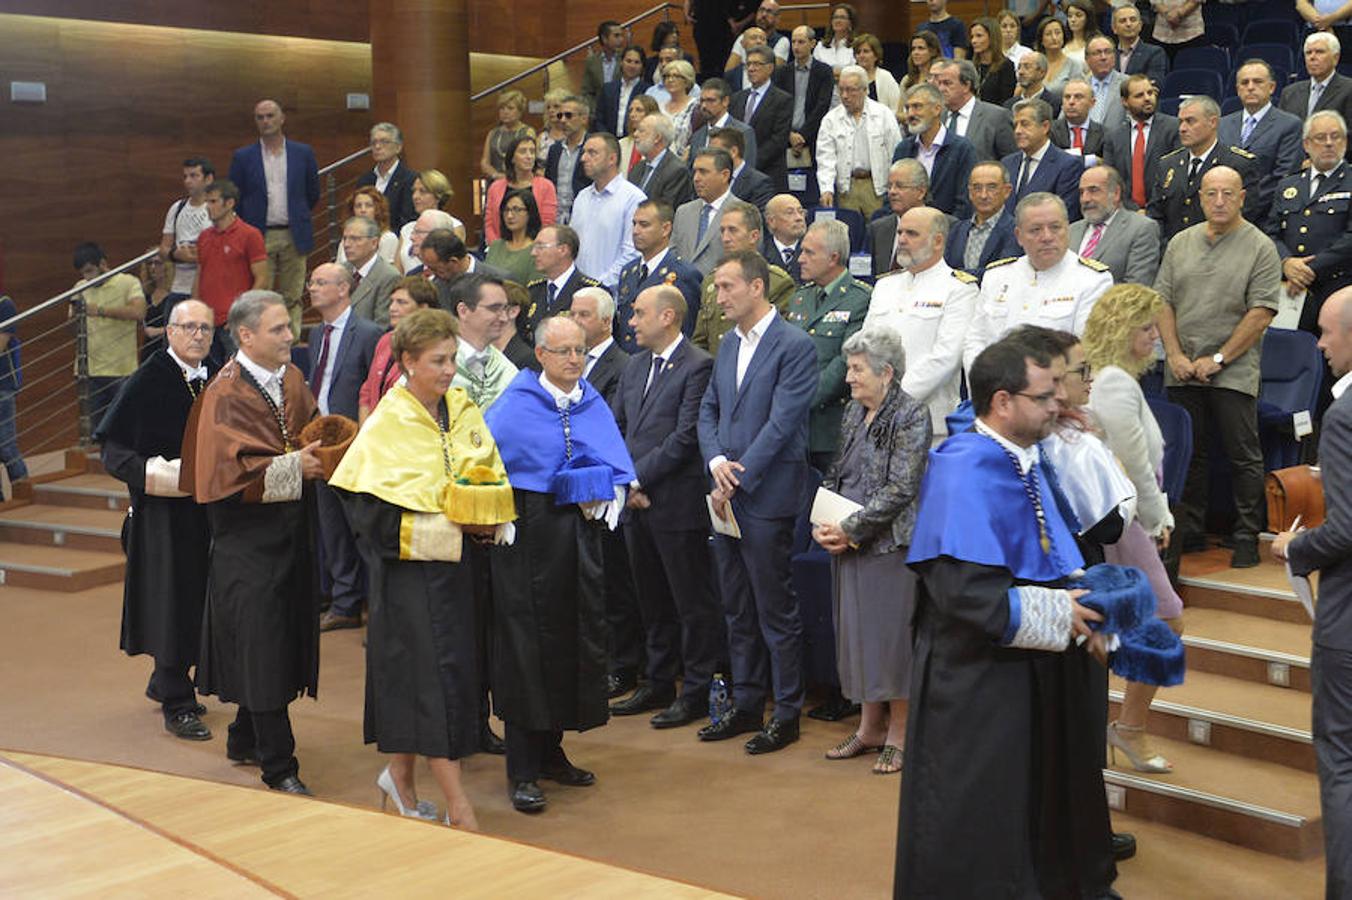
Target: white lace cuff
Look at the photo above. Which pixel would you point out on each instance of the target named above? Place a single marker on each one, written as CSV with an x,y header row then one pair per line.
x,y
429,537
162,477
1039,618
282,480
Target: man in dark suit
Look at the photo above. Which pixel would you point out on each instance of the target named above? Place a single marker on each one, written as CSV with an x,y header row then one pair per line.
x,y
1040,165
768,110
785,225
1326,88
612,103
446,257
1271,134
988,127
975,243
1135,150
953,160
603,63
1030,74
753,423
661,175
390,176
563,162
1135,56
657,264
715,100
554,252
1316,250
1327,549
284,220
666,524
748,182
373,278
907,187
1075,131
1127,243
1174,201
341,347
809,82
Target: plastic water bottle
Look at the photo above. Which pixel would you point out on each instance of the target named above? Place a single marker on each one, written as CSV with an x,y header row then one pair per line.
x,y
719,703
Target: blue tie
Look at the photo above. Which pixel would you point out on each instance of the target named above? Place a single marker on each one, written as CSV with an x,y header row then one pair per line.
x,y
704,216
1247,131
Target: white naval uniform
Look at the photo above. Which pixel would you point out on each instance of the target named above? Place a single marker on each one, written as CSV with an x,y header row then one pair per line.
x,y
931,311
1013,293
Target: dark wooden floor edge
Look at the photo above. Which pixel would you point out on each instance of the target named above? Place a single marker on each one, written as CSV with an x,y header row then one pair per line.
x,y
186,844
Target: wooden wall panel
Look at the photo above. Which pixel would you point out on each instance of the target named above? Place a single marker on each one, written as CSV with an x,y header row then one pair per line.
x,y
339,20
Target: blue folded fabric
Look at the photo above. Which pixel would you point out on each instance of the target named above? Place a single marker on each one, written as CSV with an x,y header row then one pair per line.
x,y
1150,652
585,480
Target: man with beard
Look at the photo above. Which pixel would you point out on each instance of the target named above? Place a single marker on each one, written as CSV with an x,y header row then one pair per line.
x,y
1136,147
1127,243
947,158
907,187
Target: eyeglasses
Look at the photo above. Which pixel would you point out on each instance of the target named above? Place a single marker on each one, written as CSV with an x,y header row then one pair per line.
x,y
381,142
196,330
1084,371
1330,138
568,352
494,309
1047,399
564,114
541,245
321,282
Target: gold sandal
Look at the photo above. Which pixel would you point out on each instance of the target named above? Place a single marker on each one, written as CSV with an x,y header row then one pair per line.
x,y
849,748
889,760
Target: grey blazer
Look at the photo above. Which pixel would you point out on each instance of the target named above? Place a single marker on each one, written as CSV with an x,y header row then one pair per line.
x,y
1130,246
371,299
895,453
1328,548
991,131
1111,113
702,254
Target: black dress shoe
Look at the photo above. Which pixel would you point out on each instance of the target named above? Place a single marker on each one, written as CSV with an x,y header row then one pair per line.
x,y
647,697
526,796
291,785
680,712
490,742
1124,845
1245,555
776,736
188,726
197,708
734,723
568,774
621,684
835,708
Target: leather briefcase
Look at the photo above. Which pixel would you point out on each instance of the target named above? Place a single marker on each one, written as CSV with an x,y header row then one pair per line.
x,y
1292,492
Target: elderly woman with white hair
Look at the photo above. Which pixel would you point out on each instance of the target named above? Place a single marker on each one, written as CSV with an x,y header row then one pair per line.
x,y
884,439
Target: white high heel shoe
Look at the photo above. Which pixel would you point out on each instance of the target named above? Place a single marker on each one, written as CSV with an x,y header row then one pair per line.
x,y
421,810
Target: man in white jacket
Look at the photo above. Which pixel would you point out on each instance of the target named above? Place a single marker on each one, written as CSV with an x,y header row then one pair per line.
x,y
854,147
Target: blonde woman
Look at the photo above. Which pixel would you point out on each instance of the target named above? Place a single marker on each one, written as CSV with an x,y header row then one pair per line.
x,y
868,55
1119,344
678,77
431,190
552,131
511,109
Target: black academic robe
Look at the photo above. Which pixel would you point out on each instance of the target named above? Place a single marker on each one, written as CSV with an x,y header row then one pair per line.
x,y
997,730
165,538
422,680
549,640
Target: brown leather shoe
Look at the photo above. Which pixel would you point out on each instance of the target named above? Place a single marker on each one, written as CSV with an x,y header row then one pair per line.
x,y
332,621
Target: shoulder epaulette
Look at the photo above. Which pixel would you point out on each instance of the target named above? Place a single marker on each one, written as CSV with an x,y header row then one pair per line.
x,y
964,277
862,284
1002,262
590,281
1096,265
780,269
1240,151
531,284
1174,152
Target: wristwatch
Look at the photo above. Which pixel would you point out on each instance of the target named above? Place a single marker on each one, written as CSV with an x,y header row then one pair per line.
x,y
1219,359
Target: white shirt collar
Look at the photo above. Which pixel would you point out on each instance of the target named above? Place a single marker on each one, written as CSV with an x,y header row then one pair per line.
x,y
1258,116
758,330
1027,456
723,122
596,352
1041,152
341,322
1341,385
657,160
560,398
738,171
366,269
718,204
656,261
563,279
665,355
938,137
966,109
1203,156
263,376
1325,82
188,371
781,246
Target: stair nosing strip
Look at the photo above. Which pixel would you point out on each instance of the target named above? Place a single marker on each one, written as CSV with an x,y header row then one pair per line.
x,y
1220,718
57,487
1203,643
1270,593
29,569
1215,801
68,529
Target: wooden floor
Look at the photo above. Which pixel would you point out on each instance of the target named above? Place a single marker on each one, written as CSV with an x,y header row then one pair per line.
x,y
78,828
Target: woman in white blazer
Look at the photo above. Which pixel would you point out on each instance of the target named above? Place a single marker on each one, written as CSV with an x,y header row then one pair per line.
x,y
1119,343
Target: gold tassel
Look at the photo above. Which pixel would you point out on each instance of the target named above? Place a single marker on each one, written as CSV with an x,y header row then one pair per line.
x,y
479,497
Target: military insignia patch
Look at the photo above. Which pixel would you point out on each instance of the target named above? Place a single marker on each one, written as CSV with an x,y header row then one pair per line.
x,y
475,439
669,278
1290,193
530,313
1168,178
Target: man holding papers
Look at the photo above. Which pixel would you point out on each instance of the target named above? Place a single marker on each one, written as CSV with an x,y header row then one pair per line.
x,y
753,435
1328,550
885,435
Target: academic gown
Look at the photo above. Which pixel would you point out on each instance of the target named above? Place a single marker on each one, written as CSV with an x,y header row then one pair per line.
x,y
549,637
1001,796
422,682
165,538
260,631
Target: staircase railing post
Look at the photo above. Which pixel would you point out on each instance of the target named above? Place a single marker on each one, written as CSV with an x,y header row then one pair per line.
x,y
331,188
82,370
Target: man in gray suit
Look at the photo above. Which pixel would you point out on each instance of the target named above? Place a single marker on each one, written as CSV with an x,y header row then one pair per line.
x,y
715,99
694,233
373,278
661,175
1271,134
1106,82
1327,548
988,127
1326,88
1127,243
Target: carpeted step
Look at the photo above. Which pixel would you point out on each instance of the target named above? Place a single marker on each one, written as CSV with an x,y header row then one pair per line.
x,y
57,568
84,491
1249,648
63,526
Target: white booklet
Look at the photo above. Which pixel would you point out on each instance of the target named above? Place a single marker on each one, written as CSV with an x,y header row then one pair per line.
x,y
726,526
1304,591
830,508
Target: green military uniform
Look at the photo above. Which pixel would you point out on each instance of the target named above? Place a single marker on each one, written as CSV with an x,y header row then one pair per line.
x,y
829,315
1174,200
540,308
711,324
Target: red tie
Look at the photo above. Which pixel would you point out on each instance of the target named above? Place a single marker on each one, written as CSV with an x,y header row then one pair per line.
x,y
317,376
1092,244
1079,137
1138,166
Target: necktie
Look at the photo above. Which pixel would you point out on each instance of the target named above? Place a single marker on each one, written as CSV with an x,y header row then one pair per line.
x,y
1316,183
953,121
356,280
1316,90
642,273
1078,143
1023,178
704,216
317,376
652,378
788,255
648,171
1092,243
1138,166
553,293
751,102
1246,131
1192,174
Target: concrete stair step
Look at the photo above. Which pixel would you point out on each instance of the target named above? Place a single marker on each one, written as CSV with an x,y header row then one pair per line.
x,y
1244,718
1263,806
57,568
1249,648
84,491
63,526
